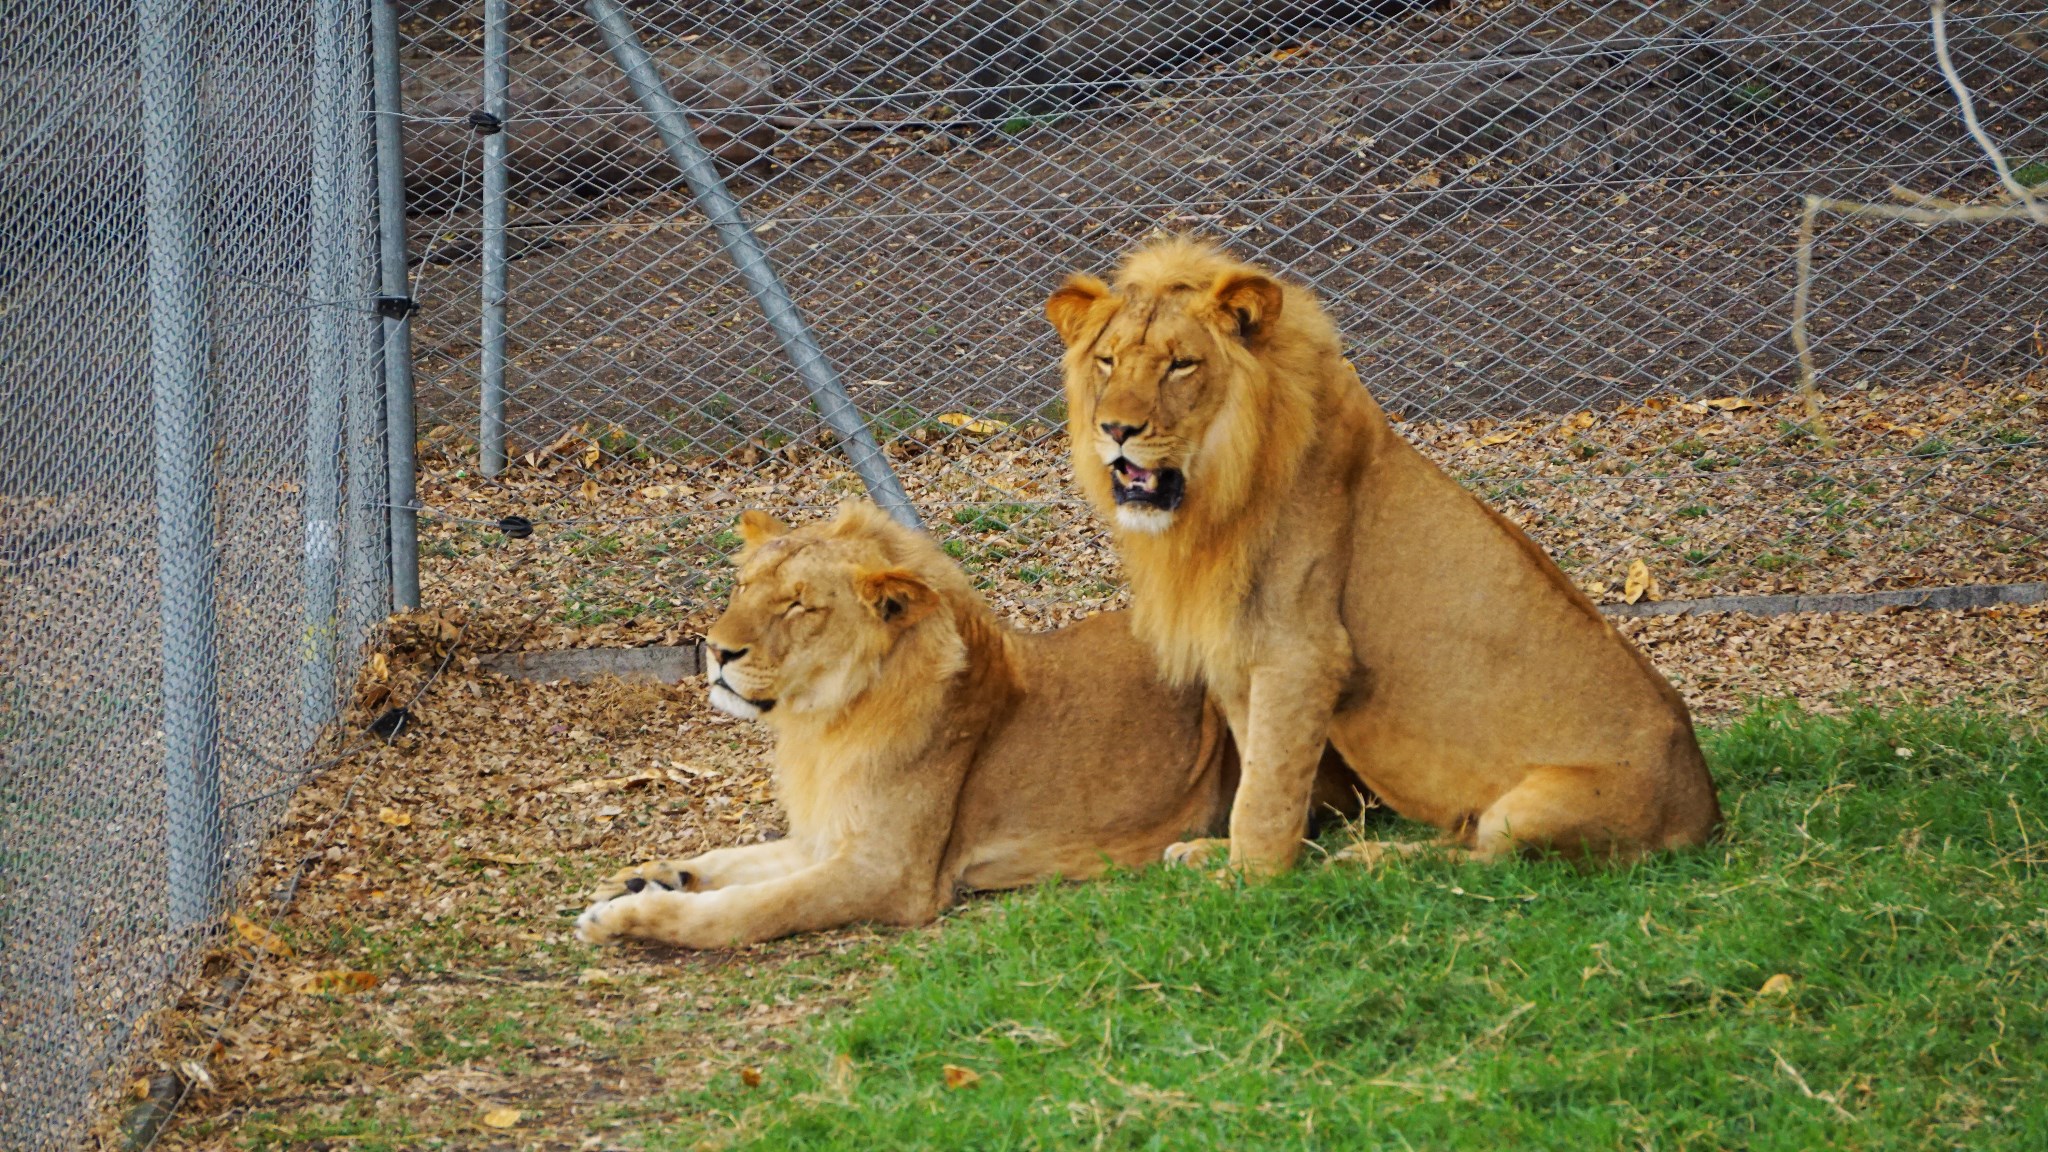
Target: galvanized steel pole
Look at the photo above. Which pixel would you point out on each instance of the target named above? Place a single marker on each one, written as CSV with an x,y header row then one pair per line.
x,y
491,432
327,284
744,249
396,305
178,352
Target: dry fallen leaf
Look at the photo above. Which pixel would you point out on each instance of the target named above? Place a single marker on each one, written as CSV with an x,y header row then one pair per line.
x,y
394,817
971,425
613,783
592,455
502,1117
750,1076
334,980
1495,438
380,666
840,1076
259,936
1778,985
196,1075
505,858
1733,403
589,491
566,441
958,1077
1638,582
1427,178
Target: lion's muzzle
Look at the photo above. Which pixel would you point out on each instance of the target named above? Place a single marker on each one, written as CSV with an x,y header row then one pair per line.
x,y
724,696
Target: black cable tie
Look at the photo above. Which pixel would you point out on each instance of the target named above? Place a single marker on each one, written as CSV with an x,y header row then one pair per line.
x,y
396,307
390,724
485,123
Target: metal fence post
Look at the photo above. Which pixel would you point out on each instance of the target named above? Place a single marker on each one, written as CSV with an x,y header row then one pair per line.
x,y
396,306
327,284
745,251
365,534
491,433
178,354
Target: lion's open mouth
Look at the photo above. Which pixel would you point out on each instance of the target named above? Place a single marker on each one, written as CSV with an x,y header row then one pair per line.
x,y
1161,488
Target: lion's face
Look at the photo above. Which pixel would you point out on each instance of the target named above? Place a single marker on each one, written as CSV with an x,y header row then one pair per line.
x,y
812,618
1151,375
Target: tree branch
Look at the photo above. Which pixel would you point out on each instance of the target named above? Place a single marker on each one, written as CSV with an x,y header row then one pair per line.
x,y
1938,23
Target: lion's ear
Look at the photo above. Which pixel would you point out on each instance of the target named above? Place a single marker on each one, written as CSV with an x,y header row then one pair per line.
x,y
895,595
758,527
1247,299
1068,308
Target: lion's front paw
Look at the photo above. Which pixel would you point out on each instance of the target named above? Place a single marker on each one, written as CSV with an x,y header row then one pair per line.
x,y
601,922
658,874
684,919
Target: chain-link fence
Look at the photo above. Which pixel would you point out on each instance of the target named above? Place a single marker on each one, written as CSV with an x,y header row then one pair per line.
x,y
192,490
1552,232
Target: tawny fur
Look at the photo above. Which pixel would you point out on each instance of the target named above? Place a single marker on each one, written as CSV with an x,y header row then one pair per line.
x,y
922,747
1329,583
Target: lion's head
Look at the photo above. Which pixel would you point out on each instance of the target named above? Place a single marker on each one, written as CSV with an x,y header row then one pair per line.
x,y
823,613
1171,393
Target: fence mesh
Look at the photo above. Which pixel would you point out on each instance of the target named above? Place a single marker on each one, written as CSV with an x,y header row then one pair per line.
x,y
190,463
1522,215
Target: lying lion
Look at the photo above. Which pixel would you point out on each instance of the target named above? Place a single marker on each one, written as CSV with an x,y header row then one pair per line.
x,y
922,747
1329,583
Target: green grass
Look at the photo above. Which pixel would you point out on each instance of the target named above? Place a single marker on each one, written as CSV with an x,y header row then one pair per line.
x,y
1885,862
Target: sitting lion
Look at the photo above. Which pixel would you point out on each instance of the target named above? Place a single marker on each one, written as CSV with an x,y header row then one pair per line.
x,y
922,747
1329,583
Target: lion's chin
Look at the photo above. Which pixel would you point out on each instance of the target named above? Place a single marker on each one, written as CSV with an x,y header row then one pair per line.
x,y
1143,518
733,704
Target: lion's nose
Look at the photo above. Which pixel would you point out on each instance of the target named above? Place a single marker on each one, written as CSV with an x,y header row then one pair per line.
x,y
726,655
1122,432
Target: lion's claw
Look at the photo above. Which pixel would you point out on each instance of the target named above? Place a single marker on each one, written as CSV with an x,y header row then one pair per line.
x,y
661,874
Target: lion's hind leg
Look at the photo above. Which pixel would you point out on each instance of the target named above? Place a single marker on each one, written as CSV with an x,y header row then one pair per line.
x,y
1204,852
1582,813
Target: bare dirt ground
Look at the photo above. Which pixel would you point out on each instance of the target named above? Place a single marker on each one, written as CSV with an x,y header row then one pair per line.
x,y
422,989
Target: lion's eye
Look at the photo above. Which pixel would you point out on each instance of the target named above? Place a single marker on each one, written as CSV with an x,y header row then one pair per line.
x,y
1107,362
1180,365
